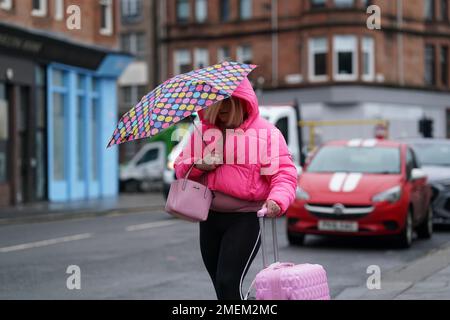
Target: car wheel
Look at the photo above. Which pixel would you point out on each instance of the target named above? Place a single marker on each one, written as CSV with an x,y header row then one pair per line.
x,y
404,239
296,239
425,229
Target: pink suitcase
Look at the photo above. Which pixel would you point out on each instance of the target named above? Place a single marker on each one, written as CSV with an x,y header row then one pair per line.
x,y
286,281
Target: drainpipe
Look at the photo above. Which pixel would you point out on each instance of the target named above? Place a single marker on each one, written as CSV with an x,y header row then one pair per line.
x,y
400,60
274,43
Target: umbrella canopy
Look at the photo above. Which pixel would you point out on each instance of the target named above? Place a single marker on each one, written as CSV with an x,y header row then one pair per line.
x,y
179,97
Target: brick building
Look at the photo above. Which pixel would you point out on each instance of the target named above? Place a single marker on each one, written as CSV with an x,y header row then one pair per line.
x,y
58,103
322,53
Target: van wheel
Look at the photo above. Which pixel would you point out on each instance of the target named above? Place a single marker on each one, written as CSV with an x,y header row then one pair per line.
x,y
404,239
425,229
296,239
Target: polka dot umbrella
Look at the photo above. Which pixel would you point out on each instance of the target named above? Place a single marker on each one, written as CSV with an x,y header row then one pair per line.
x,y
179,97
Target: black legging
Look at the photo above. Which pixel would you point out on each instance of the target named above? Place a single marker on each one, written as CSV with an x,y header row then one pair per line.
x,y
227,241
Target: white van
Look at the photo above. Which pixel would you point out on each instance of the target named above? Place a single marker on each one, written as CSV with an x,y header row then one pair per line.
x,y
145,168
283,117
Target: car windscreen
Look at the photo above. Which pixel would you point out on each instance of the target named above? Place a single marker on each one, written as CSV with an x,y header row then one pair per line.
x,y
379,160
433,154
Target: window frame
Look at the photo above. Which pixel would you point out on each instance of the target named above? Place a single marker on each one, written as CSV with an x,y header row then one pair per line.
x,y
340,47
241,54
370,49
201,19
177,61
242,8
312,52
201,54
6,5
42,11
107,30
178,18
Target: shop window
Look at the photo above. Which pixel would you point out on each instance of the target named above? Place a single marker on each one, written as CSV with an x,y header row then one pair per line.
x,y
94,123
59,131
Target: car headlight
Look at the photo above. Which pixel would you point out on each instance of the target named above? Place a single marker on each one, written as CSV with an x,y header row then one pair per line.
x,y
301,194
391,195
170,165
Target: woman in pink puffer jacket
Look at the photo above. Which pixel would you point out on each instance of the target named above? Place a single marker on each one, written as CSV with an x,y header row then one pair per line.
x,y
246,169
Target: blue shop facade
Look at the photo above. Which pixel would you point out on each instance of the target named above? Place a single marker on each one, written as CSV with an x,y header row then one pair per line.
x,y
58,109
82,111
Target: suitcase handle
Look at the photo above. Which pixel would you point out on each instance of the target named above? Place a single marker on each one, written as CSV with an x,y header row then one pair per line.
x,y
262,226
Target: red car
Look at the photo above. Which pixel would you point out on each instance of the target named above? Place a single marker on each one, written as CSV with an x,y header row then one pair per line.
x,y
362,187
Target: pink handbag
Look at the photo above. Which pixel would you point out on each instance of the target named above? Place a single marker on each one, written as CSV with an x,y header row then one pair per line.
x,y
189,200
287,281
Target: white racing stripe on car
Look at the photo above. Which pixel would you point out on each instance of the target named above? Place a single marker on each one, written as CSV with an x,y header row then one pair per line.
x,y
370,143
336,181
354,143
352,182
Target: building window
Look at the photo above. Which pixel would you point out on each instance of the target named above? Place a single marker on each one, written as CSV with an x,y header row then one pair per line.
x,y
368,56
39,8
345,58
59,10
131,95
430,65
223,54
318,55
318,3
444,10
106,17
429,10
244,54
444,66
344,3
201,10
6,4
182,61
225,13
134,43
131,9
183,11
201,58
245,9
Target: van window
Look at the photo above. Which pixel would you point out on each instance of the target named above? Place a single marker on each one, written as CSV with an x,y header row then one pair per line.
x,y
282,125
150,155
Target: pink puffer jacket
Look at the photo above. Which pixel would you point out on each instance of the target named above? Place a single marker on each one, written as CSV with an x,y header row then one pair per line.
x,y
245,179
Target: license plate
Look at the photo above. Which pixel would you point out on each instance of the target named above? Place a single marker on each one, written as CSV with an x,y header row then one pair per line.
x,y
344,226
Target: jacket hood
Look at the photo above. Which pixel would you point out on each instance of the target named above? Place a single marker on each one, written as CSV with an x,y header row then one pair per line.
x,y
247,96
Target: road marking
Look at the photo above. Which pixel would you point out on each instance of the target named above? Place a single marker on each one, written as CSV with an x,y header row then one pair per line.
x,y
45,243
151,225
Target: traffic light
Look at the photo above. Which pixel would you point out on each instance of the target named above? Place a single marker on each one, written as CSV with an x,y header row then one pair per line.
x,y
426,127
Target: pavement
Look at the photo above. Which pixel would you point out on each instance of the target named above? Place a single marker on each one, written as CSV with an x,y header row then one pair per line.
x,y
129,248
51,211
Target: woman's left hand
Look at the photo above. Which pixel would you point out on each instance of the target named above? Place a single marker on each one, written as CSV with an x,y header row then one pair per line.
x,y
273,209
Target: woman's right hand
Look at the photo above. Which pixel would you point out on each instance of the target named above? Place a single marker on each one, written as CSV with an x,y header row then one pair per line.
x,y
209,163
